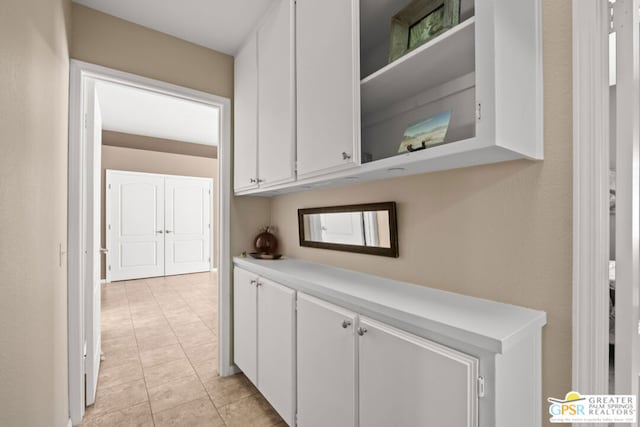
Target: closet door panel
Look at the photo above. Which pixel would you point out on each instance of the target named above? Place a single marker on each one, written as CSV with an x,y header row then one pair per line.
x,y
187,225
135,225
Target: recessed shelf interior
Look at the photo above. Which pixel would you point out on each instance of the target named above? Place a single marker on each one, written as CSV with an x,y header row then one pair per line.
x,y
437,77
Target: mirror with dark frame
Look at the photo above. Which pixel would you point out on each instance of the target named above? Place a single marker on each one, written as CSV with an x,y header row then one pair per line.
x,y
366,228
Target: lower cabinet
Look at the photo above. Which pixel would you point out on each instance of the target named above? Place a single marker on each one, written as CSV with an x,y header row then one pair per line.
x,y
406,380
264,339
326,364
356,371
245,323
276,347
321,365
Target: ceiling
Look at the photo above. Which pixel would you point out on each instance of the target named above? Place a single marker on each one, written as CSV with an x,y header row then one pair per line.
x,y
140,112
221,25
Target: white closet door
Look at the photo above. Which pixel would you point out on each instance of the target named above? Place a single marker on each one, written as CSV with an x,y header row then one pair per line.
x,y
135,225
187,225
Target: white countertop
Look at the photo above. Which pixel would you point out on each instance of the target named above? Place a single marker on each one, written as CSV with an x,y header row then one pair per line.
x,y
490,325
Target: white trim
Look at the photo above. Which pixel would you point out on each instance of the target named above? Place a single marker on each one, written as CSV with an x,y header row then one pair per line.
x,y
590,196
79,73
627,357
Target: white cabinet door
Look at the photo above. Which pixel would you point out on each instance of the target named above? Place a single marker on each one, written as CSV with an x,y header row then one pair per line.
x,y
245,323
245,144
276,347
408,381
328,85
276,111
135,225
187,225
326,364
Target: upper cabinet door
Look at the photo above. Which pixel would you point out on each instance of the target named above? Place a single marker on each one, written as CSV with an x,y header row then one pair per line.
x,y
276,96
406,380
245,147
328,85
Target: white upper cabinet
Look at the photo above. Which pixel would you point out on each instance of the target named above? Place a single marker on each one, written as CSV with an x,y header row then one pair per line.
x,y
264,146
480,80
276,95
328,85
246,118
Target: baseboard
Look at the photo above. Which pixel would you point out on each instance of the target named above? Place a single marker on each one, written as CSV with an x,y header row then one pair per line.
x,y
230,370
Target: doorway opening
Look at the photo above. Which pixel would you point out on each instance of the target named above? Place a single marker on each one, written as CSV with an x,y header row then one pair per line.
x,y
154,246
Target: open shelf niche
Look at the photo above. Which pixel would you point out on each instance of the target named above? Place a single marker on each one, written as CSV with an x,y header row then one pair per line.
x,y
437,77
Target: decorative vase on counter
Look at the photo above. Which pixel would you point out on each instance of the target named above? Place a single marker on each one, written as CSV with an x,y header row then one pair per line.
x,y
266,242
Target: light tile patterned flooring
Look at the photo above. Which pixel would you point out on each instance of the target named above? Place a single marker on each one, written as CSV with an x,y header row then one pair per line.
x,y
159,342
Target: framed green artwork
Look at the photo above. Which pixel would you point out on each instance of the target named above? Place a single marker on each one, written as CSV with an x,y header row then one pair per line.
x,y
419,22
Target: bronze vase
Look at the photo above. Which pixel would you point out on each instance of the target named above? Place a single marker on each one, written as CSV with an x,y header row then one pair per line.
x,y
266,243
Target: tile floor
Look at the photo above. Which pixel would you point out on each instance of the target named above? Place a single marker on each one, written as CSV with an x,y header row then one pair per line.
x,y
159,343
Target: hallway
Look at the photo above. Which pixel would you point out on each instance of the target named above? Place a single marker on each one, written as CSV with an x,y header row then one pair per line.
x,y
159,345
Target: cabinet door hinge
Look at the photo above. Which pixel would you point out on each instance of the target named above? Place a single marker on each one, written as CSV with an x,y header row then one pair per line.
x,y
612,24
479,111
109,268
109,186
297,418
480,386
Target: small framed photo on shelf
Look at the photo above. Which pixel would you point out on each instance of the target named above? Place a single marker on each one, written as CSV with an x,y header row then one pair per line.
x,y
425,133
419,22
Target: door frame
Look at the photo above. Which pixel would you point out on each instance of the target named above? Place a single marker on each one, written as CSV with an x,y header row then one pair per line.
x,y
590,368
80,74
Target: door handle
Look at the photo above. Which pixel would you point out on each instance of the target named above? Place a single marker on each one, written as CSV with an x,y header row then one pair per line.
x,y
159,231
346,323
362,331
345,155
167,231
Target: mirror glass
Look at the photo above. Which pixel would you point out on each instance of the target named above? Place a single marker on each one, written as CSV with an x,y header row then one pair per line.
x,y
368,228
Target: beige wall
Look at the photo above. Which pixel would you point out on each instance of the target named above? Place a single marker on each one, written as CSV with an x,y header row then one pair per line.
x,y
500,231
129,159
34,68
105,40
